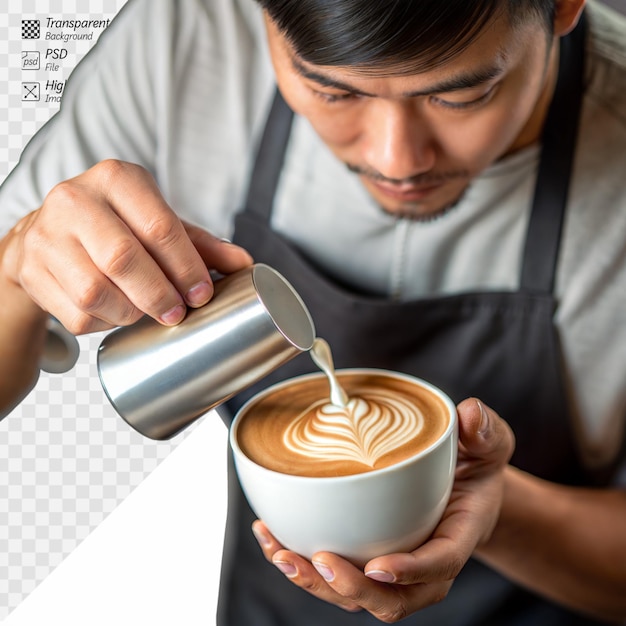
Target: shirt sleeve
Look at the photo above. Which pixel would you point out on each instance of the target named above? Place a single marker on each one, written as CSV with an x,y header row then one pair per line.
x,y
108,110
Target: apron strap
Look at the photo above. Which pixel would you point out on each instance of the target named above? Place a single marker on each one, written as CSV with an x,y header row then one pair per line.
x,y
269,160
555,167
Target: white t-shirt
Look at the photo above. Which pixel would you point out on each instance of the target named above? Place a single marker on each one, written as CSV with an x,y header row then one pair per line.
x,y
183,88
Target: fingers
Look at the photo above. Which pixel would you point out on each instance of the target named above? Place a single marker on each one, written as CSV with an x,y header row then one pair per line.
x,y
440,559
134,196
387,601
117,274
82,296
298,570
105,248
335,580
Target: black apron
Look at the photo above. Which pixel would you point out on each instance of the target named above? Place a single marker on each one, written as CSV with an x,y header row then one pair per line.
x,y
499,346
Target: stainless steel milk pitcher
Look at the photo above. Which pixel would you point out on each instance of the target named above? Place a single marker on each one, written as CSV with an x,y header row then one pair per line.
x,y
160,379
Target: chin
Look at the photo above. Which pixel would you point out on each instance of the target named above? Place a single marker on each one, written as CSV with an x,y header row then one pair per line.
x,y
420,211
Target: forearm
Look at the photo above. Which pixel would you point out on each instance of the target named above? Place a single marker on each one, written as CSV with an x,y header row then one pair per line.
x,y
565,543
22,336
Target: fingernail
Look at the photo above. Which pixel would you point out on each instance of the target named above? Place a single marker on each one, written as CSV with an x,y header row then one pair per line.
x,y
483,427
225,240
199,294
380,576
326,573
174,315
288,569
262,538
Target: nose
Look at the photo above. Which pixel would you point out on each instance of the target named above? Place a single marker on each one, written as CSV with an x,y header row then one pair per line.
x,y
397,142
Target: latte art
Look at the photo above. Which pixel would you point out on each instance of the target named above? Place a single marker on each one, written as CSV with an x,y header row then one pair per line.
x,y
369,427
293,428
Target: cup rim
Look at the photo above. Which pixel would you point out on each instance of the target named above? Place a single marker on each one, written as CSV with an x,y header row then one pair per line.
x,y
452,425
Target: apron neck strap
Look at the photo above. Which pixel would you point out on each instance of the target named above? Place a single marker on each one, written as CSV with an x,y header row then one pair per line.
x,y
269,160
555,167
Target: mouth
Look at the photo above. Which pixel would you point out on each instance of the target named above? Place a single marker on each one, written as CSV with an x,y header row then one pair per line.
x,y
405,192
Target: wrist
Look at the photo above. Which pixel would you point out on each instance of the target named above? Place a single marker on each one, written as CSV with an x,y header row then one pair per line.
x,y
17,303
22,338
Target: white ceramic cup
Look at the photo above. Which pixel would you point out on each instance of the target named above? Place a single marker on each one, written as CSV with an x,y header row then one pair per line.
x,y
394,509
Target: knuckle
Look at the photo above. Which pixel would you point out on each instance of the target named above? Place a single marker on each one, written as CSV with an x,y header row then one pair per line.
x,y
33,240
109,169
356,594
121,258
162,230
64,194
25,255
131,315
29,276
90,294
157,297
310,584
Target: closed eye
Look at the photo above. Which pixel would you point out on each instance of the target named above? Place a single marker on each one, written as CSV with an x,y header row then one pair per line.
x,y
464,104
334,97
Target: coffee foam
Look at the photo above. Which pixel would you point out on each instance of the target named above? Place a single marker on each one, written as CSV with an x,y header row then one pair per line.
x,y
371,425
295,429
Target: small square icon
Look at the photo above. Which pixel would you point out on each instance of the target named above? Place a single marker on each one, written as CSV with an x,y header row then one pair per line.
x,y
30,92
30,29
31,59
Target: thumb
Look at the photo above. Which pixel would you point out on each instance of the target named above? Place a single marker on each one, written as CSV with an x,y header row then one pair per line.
x,y
483,433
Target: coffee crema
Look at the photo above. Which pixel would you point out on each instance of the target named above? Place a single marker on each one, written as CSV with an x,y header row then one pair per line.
x,y
296,430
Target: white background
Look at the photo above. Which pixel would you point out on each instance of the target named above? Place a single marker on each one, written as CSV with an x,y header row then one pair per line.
x,y
156,558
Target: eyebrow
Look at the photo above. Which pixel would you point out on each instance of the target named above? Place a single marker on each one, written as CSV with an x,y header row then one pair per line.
x,y
465,80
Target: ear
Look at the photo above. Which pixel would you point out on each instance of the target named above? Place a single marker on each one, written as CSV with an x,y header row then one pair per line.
x,y
566,15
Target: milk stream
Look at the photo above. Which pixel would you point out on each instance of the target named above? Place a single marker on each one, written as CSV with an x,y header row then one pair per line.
x,y
323,358
362,428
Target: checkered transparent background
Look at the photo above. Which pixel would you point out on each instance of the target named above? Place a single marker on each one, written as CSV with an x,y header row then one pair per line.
x,y
66,458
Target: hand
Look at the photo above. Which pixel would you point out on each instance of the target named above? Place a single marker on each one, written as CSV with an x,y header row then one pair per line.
x,y
105,248
394,586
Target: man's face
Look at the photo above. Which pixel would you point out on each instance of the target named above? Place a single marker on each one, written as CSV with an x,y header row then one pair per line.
x,y
417,138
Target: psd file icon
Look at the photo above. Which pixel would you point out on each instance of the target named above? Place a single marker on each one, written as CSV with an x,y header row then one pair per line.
x,y
31,59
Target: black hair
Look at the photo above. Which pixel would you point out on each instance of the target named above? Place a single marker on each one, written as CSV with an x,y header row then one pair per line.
x,y
374,33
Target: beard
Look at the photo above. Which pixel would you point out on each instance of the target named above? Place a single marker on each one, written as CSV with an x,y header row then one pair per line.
x,y
416,210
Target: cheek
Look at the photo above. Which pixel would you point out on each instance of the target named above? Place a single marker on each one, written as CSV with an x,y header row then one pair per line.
x,y
474,142
339,132
482,137
339,126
